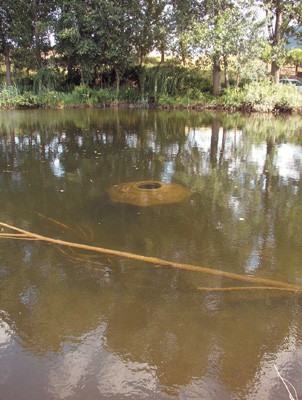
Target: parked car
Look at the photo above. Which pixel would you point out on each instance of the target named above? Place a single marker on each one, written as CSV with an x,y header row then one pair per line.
x,y
295,82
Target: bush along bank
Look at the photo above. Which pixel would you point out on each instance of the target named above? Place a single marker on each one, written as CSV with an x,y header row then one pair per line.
x,y
264,97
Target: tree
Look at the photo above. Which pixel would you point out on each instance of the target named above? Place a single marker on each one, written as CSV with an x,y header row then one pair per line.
x,y
77,37
228,28
31,32
25,36
284,18
5,45
150,15
120,26
294,57
183,15
10,27
163,31
97,33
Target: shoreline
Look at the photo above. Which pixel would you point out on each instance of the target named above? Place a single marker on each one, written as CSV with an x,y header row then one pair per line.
x,y
154,106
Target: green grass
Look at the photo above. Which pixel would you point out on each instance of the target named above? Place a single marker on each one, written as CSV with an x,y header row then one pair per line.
x,y
256,96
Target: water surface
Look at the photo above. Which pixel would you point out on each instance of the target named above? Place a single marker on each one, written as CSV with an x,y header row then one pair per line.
x,y
74,325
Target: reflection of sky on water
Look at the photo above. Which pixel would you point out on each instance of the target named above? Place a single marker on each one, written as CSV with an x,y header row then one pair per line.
x,y
287,160
85,365
254,260
167,174
57,168
71,371
287,362
201,138
5,333
131,140
29,296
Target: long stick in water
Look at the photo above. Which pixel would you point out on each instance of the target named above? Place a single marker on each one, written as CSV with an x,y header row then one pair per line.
x,y
153,260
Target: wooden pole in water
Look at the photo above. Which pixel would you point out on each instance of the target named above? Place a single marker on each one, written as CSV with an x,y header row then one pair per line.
x,y
26,235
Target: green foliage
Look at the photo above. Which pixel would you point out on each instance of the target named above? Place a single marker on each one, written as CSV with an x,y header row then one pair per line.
x,y
185,101
163,85
129,94
13,97
294,56
228,30
283,22
287,98
46,79
27,99
97,35
8,95
233,97
260,97
50,99
263,96
174,81
82,93
2,73
151,61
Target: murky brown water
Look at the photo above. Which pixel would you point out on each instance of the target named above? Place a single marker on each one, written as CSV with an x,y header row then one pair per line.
x,y
77,326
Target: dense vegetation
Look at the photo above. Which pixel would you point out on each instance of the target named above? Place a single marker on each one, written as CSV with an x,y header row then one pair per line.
x,y
95,52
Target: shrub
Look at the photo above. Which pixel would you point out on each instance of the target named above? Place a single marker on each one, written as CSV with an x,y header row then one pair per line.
x,y
263,96
46,79
27,99
8,95
82,93
181,101
233,97
129,94
287,98
260,96
50,98
173,81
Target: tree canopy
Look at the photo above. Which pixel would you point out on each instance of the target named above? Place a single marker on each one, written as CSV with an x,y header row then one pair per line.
x,y
85,38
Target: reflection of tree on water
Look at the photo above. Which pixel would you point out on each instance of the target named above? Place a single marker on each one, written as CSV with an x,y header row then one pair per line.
x,y
155,316
151,316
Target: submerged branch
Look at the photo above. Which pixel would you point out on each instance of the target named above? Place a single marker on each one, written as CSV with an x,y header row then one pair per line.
x,y
153,260
241,288
5,235
58,223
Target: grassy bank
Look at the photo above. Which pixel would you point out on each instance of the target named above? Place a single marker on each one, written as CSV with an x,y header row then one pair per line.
x,y
255,96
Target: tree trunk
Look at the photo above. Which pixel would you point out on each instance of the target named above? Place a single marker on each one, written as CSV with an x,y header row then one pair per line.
x,y
275,71
82,77
118,80
216,76
277,36
142,56
226,72
162,57
37,49
162,53
8,68
183,53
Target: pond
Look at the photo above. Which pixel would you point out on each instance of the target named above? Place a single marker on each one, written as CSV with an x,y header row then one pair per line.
x,y
78,324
